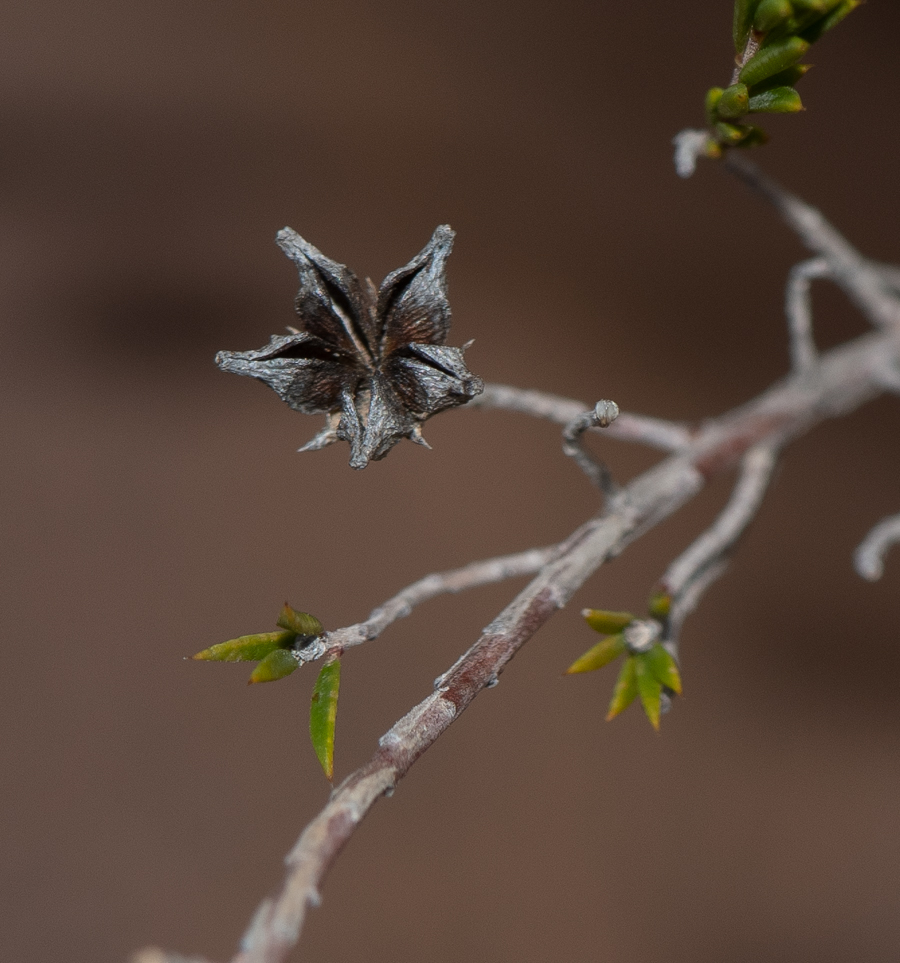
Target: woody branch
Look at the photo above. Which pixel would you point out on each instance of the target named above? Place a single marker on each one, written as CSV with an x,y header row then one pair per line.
x,y
748,438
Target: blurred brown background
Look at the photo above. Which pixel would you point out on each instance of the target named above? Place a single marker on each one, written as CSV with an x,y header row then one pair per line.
x,y
153,506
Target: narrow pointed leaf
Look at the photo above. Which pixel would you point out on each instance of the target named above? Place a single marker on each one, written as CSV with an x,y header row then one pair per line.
x,y
649,688
772,59
300,622
787,78
778,100
664,667
276,665
248,648
608,623
731,134
813,33
626,689
600,655
323,713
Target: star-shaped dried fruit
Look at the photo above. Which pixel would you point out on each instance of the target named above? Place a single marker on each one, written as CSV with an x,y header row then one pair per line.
x,y
374,361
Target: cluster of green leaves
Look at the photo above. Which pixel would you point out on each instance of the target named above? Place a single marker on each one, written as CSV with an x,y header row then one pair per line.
x,y
777,34
647,671
277,656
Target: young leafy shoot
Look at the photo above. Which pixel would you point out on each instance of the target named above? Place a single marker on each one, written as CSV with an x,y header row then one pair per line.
x,y
770,38
323,714
648,671
275,651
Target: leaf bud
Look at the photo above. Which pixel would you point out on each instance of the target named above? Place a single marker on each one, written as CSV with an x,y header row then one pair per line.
x,y
300,622
733,102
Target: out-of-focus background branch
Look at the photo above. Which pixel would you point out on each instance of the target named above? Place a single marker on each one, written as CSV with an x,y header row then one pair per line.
x,y
154,506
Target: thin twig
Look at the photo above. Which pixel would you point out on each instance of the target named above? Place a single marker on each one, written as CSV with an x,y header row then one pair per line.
x,y
891,275
788,409
863,281
798,308
603,415
653,432
439,583
688,577
868,559
847,377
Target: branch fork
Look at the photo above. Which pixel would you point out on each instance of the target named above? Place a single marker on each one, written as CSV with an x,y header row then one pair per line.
x,y
748,439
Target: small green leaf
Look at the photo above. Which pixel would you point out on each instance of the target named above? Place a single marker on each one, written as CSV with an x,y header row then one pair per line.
x,y
300,622
649,688
276,665
626,689
731,134
659,605
664,667
744,11
733,102
248,648
606,622
787,78
772,59
778,100
771,13
713,96
753,137
600,655
323,713
813,33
